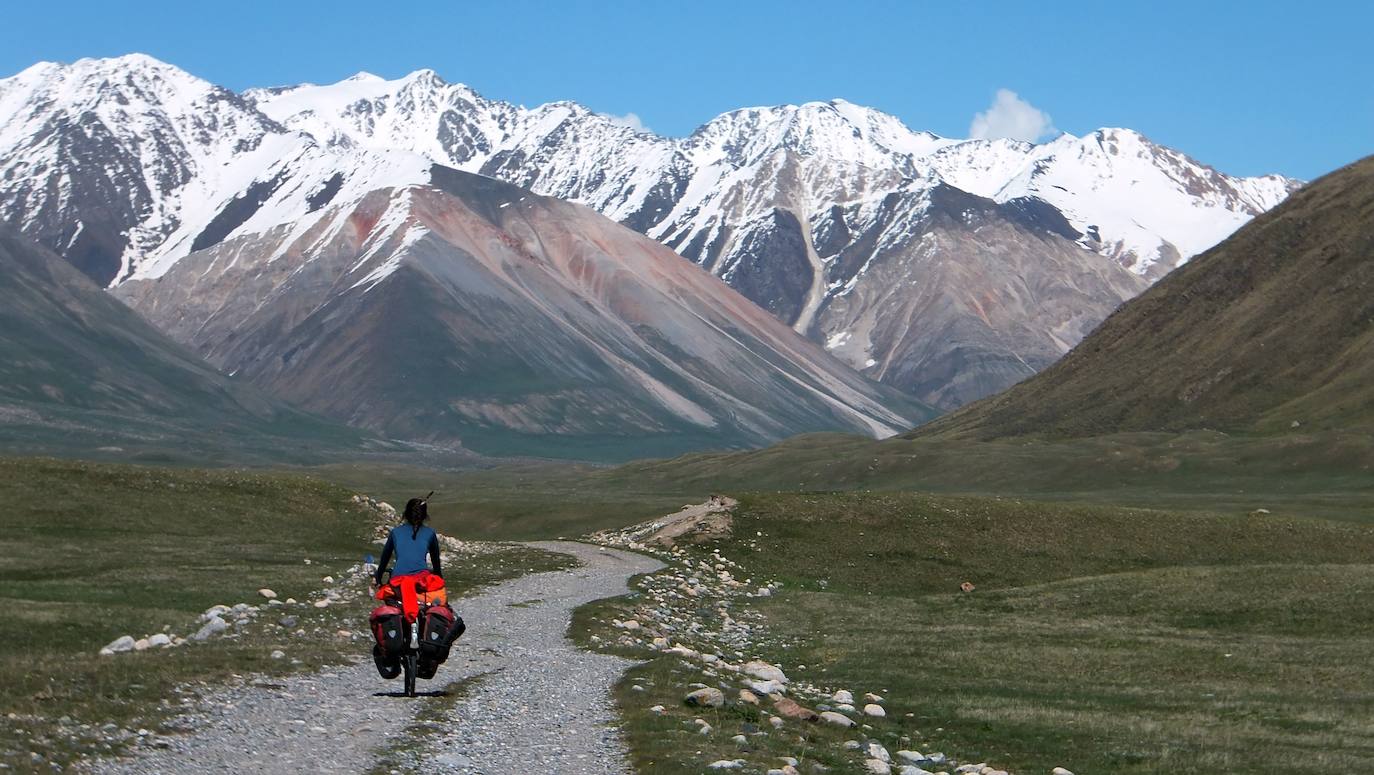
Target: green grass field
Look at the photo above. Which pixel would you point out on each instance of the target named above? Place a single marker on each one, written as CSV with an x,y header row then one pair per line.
x,y
1102,639
93,551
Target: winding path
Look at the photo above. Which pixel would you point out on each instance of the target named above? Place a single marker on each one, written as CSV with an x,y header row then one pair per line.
x,y
539,704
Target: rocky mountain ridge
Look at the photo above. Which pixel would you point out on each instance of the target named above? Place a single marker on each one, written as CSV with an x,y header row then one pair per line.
x,y
887,246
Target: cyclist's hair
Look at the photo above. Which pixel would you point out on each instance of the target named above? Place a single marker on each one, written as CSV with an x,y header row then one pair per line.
x,y
417,511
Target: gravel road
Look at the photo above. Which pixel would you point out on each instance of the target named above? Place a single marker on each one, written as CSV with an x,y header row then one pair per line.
x,y
539,704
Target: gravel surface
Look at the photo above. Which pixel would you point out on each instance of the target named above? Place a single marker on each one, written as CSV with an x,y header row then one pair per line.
x,y
540,704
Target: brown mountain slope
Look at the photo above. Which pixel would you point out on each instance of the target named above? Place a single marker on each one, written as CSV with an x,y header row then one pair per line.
x,y
463,311
79,370
1272,327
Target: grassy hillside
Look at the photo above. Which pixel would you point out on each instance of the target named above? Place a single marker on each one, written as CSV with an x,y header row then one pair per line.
x,y
1270,330
80,371
1101,639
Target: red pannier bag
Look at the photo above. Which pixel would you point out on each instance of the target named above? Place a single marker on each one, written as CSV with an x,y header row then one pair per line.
x,y
386,623
441,628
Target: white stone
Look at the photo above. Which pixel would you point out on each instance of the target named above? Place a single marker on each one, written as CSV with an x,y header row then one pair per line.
x,y
871,697
765,671
160,639
267,593
706,698
839,720
726,764
765,688
776,721
212,627
321,604
878,767
214,611
141,644
874,710
278,654
843,697
120,644
1060,771
877,751
657,710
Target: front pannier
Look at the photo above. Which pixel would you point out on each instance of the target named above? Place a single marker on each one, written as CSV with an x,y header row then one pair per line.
x,y
441,628
388,629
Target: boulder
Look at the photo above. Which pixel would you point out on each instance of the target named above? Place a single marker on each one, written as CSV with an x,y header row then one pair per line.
x,y
874,710
160,639
877,751
267,593
705,698
211,628
1060,771
871,697
842,697
121,644
747,697
141,644
214,611
838,719
765,688
789,708
878,767
277,654
726,764
764,671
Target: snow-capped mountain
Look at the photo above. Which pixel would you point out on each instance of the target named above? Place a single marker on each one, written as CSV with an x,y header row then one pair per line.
x,y
458,308
770,199
839,220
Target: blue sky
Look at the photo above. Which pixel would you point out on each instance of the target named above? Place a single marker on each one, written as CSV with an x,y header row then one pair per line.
x,y
1249,87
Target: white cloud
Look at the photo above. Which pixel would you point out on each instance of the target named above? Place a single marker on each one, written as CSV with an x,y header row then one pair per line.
x,y
630,120
1011,116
